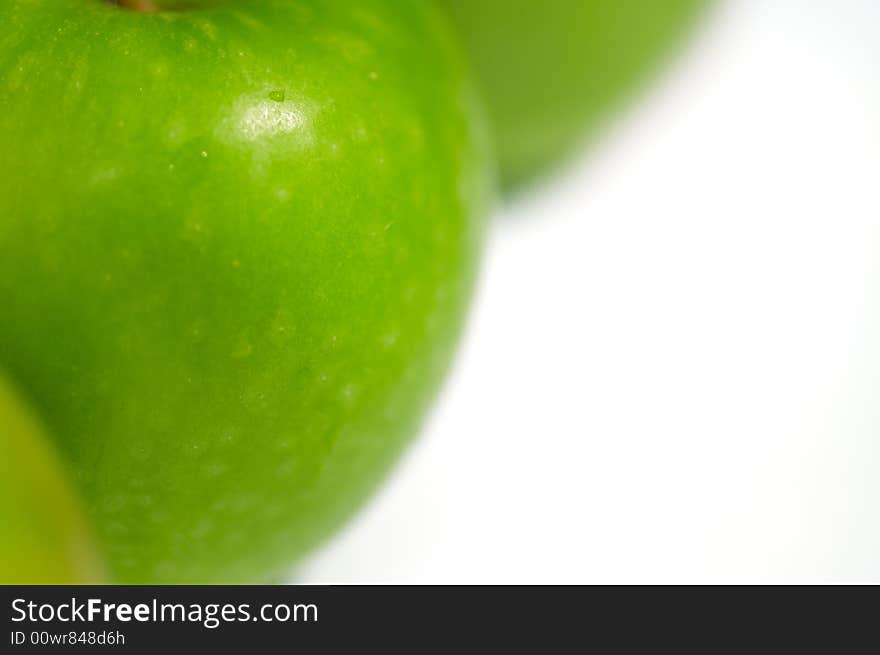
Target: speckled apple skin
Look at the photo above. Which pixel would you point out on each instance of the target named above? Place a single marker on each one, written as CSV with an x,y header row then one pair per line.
x,y
552,71
236,245
44,538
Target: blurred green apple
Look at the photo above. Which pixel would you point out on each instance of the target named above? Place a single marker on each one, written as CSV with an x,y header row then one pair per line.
x,y
551,71
43,535
237,239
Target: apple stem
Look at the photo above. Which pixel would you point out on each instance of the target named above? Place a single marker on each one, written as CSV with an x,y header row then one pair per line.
x,y
145,6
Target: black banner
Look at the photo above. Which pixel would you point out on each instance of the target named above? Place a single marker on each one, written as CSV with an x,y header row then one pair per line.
x,y
269,618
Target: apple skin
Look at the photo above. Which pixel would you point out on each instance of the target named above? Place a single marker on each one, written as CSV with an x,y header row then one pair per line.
x,y
552,71
43,534
236,246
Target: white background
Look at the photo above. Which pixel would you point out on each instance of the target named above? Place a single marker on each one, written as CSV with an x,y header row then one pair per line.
x,y
672,370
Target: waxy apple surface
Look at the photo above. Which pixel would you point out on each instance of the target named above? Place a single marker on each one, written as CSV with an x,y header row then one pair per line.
x,y
43,535
552,70
236,244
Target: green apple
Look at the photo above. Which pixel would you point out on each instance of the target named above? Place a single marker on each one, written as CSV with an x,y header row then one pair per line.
x,y
43,535
551,71
237,239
